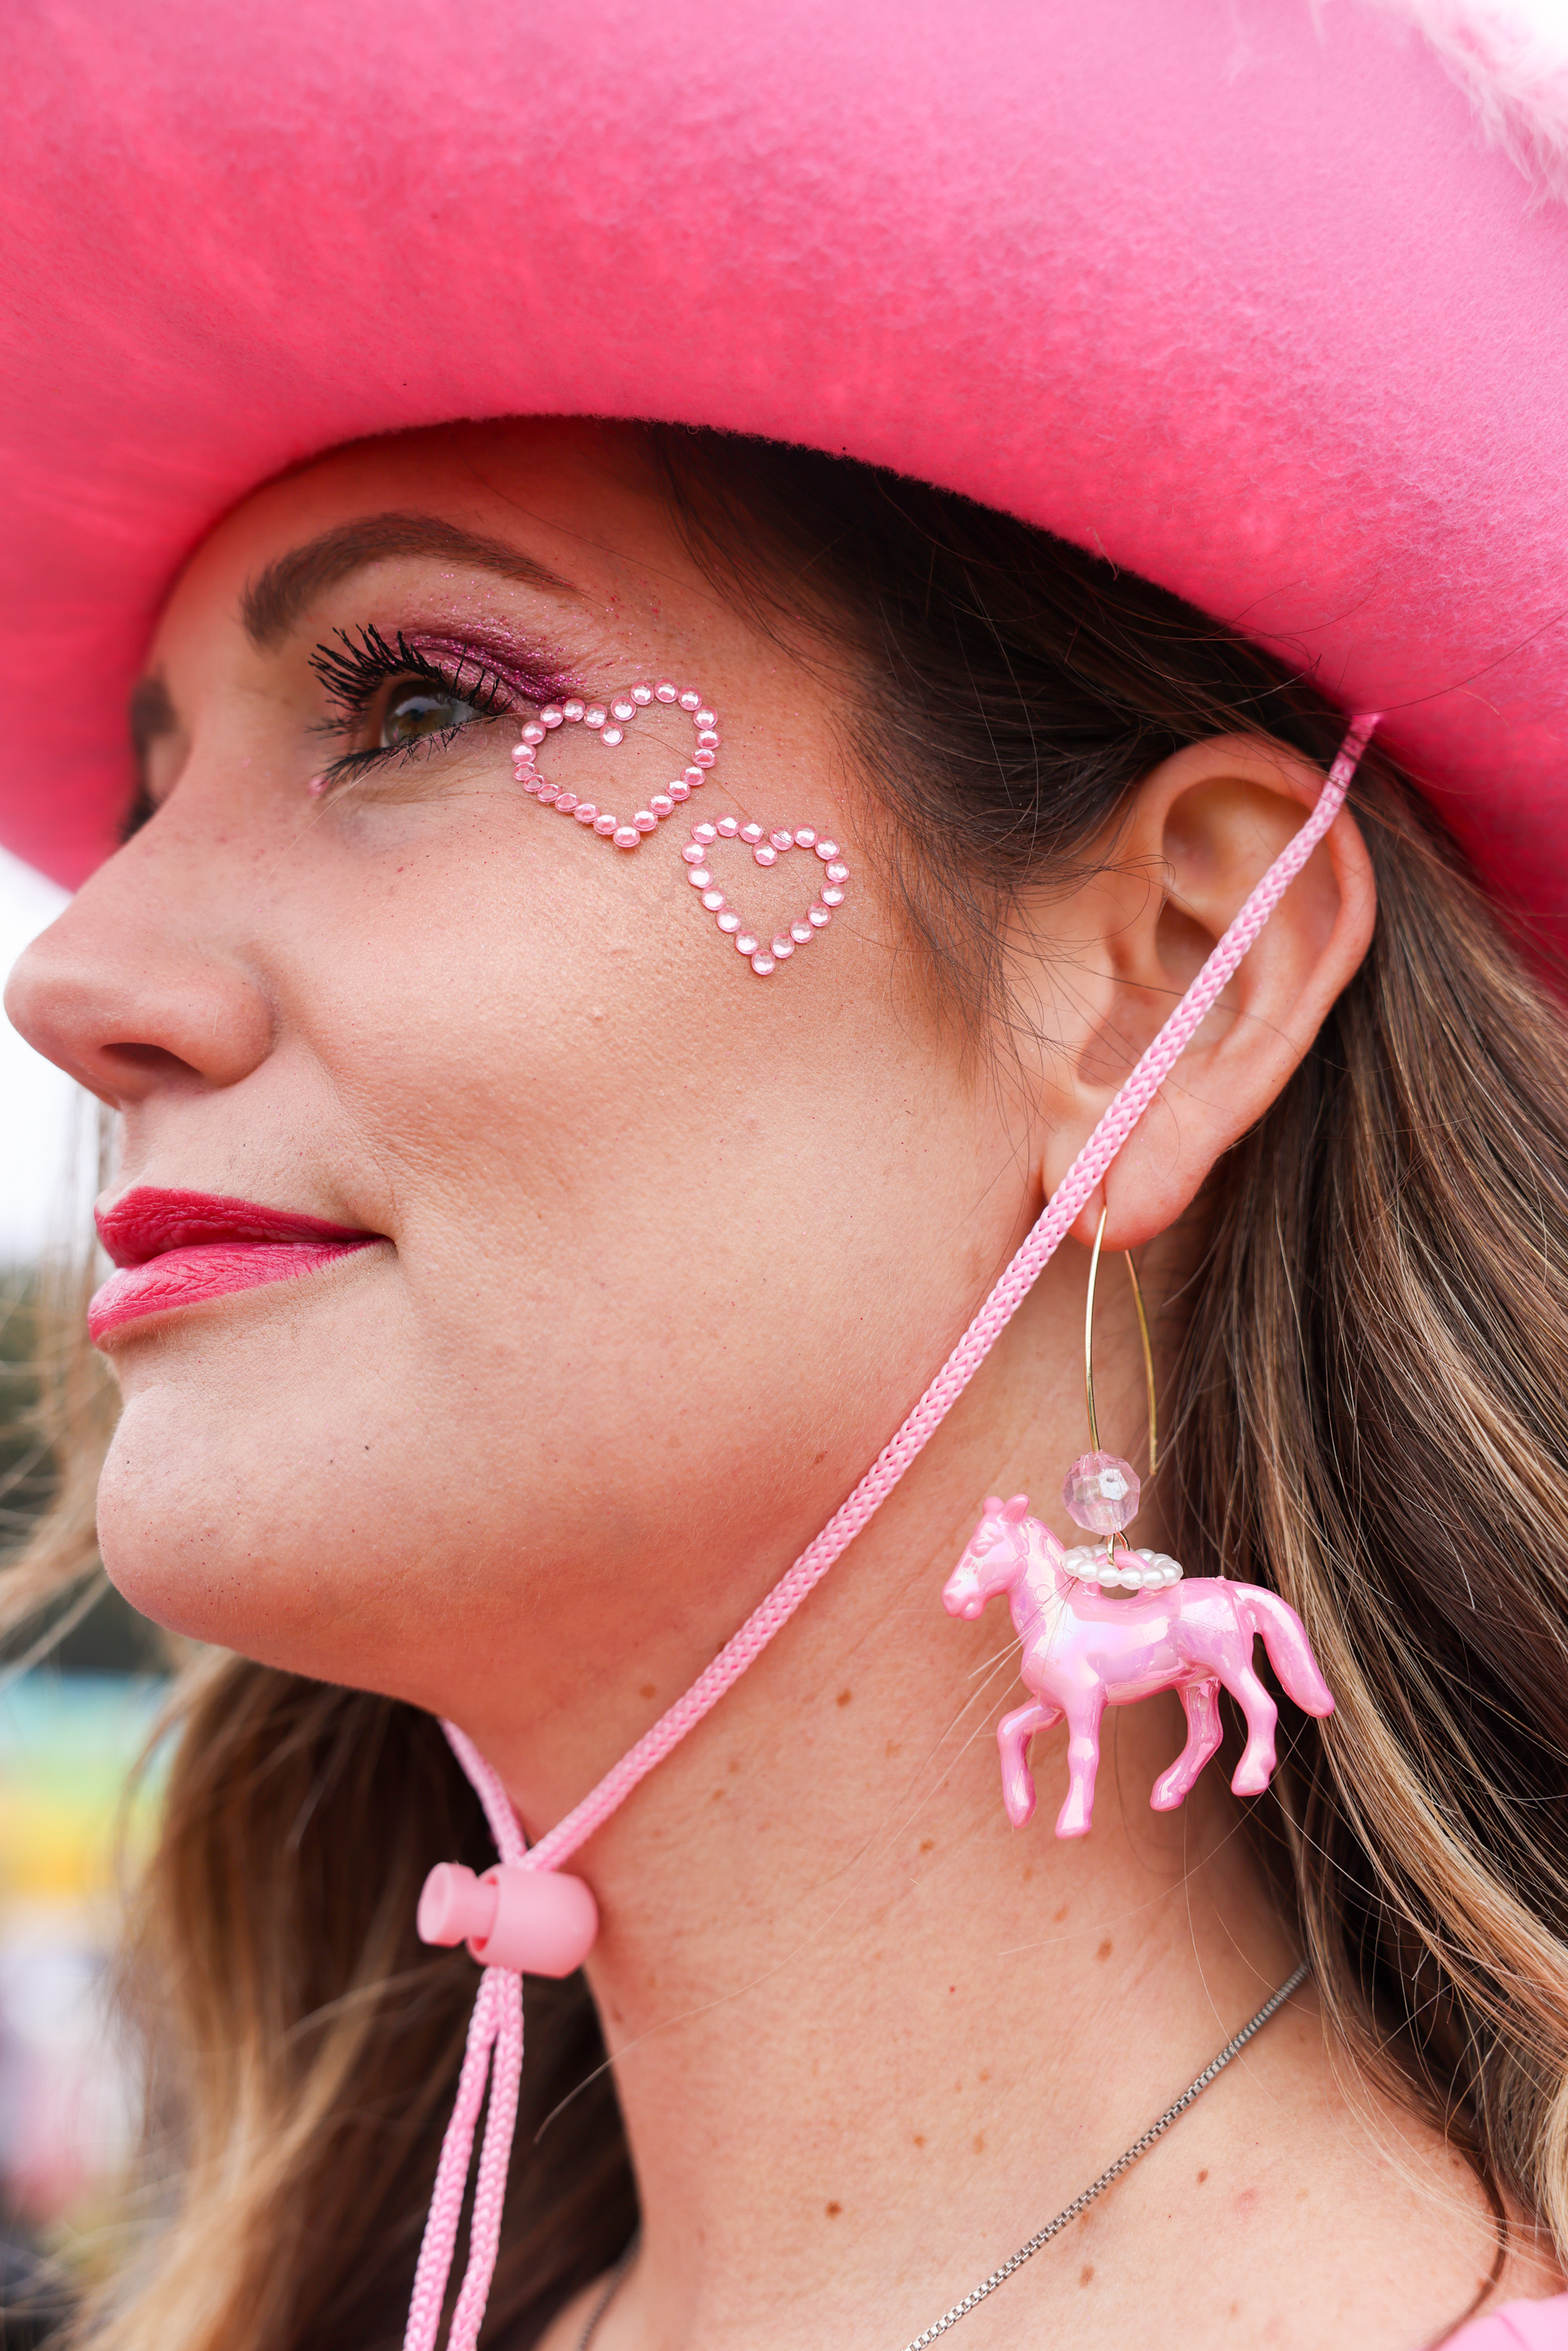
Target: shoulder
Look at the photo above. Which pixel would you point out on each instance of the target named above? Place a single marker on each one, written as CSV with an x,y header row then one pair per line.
x,y
1517,2326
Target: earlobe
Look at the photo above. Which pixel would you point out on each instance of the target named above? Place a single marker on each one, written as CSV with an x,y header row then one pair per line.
x,y
1203,827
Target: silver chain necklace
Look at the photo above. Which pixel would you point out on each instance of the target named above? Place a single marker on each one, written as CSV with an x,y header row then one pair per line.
x,y
1112,2172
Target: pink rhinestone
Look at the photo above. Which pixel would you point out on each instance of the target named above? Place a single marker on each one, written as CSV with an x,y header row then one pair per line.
x,y
585,811
713,900
751,832
745,944
661,804
604,825
782,839
833,897
552,717
826,849
533,732
595,716
523,753
695,776
805,838
706,718
766,856
679,791
705,833
690,700
783,946
622,708
546,792
699,877
762,965
645,821
566,802
612,735
641,695
571,709
802,933
702,758
693,852
728,826
729,920
707,740
666,692
1101,1492
626,836
819,918
838,872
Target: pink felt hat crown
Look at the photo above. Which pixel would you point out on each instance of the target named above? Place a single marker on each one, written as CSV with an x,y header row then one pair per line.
x,y
1265,302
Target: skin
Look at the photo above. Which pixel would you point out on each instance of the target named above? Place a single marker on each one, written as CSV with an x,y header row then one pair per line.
x,y
668,1254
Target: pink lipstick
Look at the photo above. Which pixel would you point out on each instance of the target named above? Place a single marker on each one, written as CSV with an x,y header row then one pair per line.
x,y
179,1248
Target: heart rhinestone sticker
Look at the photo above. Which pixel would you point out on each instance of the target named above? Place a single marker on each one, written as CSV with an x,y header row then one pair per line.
x,y
767,848
609,722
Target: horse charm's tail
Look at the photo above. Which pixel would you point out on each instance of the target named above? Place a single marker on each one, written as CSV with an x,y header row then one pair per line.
x,y
1290,1651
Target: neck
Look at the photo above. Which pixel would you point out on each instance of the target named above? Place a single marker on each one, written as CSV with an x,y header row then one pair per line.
x,y
866,2036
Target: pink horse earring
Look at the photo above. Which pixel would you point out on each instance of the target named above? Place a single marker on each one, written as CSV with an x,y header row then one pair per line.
x,y
1085,1647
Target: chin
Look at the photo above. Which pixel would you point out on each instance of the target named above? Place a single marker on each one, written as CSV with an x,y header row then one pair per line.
x,y
227,1534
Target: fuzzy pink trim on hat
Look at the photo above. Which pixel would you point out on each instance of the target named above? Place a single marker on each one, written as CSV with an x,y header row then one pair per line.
x,y
1239,296
1510,59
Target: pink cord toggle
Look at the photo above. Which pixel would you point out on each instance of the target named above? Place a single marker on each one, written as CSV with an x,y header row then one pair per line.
x,y
534,1921
498,2024
456,1905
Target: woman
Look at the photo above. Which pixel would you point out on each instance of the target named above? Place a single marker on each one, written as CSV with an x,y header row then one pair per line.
x,y
513,1279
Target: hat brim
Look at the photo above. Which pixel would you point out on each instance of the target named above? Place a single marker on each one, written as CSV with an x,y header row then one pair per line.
x,y
1240,299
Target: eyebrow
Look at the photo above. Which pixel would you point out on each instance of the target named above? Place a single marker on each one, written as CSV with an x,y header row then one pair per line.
x,y
274,600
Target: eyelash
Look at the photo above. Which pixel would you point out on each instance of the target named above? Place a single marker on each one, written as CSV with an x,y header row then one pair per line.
x,y
354,670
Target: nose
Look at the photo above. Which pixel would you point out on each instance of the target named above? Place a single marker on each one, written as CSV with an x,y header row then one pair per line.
x,y
131,987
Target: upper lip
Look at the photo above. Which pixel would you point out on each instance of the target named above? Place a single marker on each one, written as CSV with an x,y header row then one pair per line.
x,y
148,1222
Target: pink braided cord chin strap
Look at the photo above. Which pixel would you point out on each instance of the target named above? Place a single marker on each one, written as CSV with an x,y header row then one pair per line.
x,y
496,2025
498,2019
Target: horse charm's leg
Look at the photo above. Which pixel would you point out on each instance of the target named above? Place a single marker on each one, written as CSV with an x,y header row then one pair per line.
x,y
1256,1768
1083,1710
1204,1733
1013,1734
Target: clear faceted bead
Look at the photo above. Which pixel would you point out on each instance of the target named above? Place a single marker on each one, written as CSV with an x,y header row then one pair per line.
x,y
1101,1492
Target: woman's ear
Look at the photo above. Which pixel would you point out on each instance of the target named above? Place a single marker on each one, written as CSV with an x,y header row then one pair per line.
x,y
1202,828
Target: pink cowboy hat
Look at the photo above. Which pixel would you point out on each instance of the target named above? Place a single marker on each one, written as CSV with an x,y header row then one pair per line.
x,y
1267,302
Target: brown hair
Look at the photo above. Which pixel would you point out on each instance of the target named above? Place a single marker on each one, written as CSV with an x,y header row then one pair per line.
x,y
1369,1402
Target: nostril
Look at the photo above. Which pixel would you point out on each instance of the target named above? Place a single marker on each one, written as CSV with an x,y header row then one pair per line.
x,y
132,1056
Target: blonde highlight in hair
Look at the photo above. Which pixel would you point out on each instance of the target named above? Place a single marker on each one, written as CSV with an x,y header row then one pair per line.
x,y
1368,1417
1395,1471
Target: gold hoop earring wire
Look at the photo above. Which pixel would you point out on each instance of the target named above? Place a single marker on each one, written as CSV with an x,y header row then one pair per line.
x,y
1089,1355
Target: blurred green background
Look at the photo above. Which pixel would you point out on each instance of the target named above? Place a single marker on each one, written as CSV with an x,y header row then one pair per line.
x,y
72,1728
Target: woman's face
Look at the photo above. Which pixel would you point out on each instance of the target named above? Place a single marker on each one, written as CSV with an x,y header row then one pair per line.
x,y
663,1247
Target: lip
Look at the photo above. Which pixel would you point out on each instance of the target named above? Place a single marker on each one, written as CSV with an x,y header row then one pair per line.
x,y
175,1249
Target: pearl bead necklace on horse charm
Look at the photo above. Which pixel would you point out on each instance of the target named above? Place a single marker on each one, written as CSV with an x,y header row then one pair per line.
x,y
1083,1650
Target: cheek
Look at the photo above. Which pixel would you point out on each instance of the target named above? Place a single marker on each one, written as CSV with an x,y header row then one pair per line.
x,y
663,1281
637,1189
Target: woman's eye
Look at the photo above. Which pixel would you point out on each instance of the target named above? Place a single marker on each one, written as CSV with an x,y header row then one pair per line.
x,y
415,711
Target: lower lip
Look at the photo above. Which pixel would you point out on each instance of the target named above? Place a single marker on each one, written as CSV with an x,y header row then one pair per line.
x,y
189,1277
